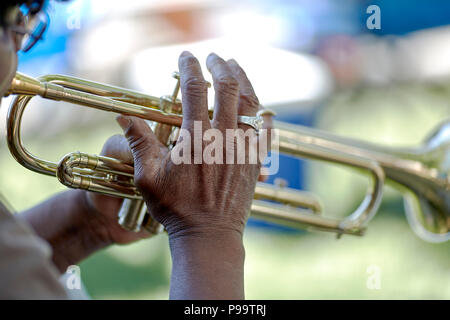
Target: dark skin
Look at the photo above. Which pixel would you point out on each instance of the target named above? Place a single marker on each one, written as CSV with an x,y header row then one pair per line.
x,y
205,234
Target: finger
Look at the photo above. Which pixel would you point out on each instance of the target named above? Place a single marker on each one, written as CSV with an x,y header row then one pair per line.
x,y
117,147
226,93
194,90
248,103
143,143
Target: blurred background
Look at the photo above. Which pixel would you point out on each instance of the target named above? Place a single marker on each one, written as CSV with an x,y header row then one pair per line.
x,y
313,61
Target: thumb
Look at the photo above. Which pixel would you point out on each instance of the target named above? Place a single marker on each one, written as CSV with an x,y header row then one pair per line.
x,y
117,147
143,143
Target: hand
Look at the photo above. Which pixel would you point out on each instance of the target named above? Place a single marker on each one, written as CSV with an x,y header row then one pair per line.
x,y
204,207
198,199
104,209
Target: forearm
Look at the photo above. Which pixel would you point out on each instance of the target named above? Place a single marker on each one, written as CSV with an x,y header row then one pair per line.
x,y
66,222
207,268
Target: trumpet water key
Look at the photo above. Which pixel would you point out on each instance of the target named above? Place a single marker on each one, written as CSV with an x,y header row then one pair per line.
x,y
422,174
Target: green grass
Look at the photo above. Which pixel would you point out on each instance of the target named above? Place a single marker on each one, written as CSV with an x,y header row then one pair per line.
x,y
292,266
278,265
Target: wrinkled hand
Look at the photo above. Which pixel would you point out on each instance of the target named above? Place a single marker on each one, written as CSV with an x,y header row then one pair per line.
x,y
198,199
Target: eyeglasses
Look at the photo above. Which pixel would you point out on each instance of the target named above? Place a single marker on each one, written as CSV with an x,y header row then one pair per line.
x,y
32,31
29,25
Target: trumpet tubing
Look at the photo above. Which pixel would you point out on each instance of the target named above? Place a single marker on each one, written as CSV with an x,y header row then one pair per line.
x,y
422,174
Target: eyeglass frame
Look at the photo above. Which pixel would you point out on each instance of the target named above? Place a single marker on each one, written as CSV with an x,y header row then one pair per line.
x,y
17,26
20,30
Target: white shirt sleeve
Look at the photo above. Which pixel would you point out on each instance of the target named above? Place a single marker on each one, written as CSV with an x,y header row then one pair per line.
x,y
26,269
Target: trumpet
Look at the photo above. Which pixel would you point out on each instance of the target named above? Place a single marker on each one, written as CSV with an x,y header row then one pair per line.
x,y
421,174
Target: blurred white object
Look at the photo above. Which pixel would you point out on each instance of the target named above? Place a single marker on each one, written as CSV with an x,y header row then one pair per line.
x,y
278,76
420,56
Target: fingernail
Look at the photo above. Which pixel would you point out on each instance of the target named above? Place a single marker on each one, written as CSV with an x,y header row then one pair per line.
x,y
123,121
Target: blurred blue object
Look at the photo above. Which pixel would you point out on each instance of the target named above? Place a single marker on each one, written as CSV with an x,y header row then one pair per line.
x,y
290,169
403,16
59,31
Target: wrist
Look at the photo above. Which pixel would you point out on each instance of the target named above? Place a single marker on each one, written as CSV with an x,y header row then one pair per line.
x,y
219,246
230,240
207,266
203,225
211,235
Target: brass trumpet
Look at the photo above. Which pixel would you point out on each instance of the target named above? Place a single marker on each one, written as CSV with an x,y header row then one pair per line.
x,y
422,174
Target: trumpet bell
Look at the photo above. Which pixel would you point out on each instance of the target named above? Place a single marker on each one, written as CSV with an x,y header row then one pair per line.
x,y
428,209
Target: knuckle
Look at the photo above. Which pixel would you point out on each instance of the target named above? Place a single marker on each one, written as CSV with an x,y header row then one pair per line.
x,y
139,145
227,84
194,86
240,72
250,100
129,131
